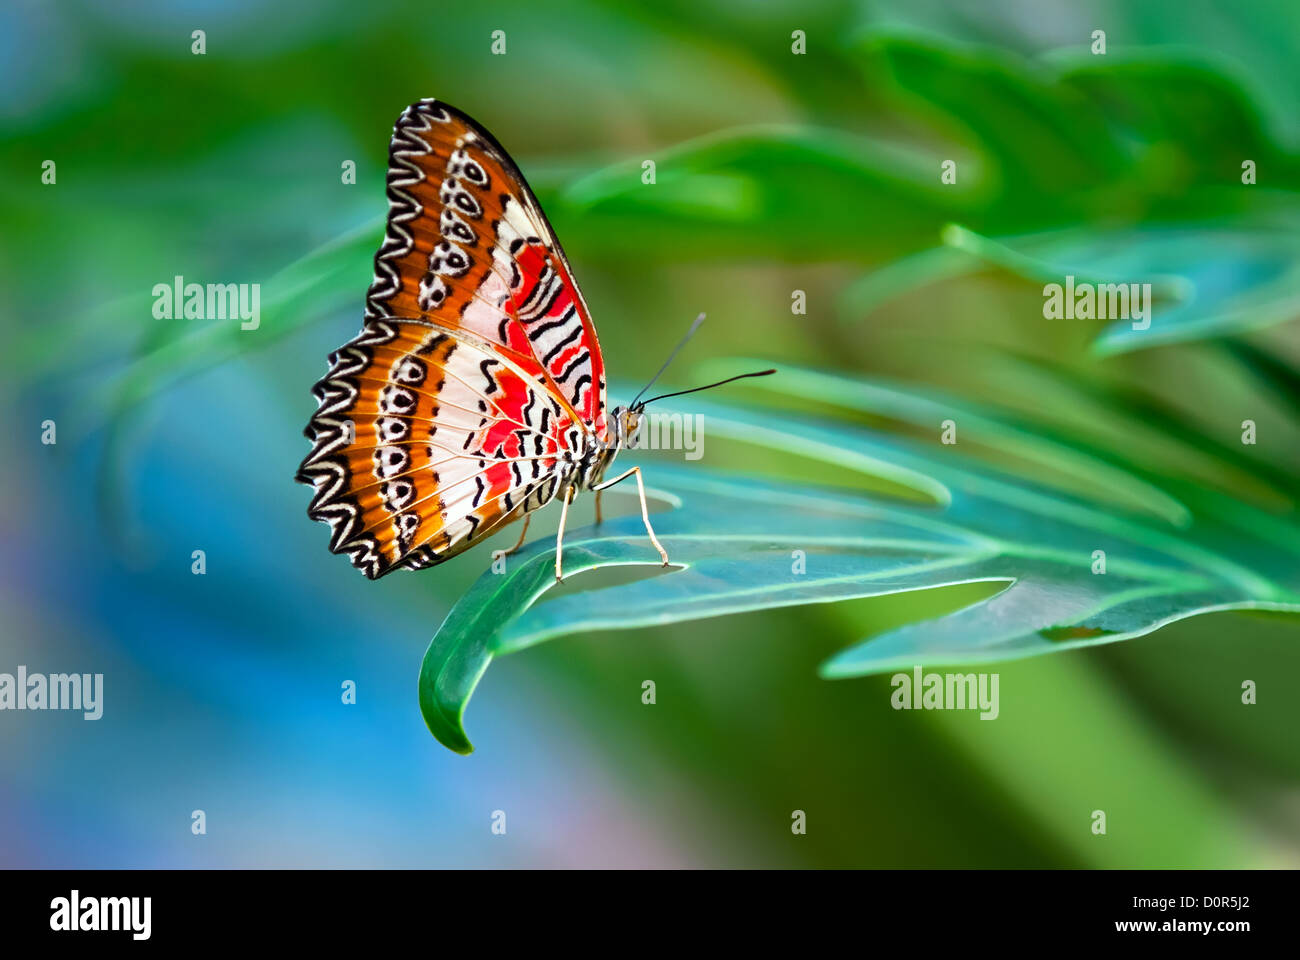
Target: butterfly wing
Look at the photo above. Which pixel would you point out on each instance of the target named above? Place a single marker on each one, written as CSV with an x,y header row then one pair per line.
x,y
477,372
468,247
425,442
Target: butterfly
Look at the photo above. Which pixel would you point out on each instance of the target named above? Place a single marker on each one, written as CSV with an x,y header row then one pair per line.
x,y
475,392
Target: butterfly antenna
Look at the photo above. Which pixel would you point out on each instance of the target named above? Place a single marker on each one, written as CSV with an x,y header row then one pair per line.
x,y
689,333
710,386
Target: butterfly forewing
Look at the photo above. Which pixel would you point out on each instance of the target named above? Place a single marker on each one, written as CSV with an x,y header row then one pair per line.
x,y
477,372
468,247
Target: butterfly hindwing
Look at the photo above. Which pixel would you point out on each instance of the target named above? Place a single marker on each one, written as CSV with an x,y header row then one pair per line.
x,y
426,441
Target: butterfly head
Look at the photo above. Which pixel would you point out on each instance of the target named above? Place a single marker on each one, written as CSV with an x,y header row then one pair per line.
x,y
624,424
600,452
627,420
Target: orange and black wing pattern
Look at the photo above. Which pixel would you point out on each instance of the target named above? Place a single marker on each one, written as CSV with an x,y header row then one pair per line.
x,y
477,372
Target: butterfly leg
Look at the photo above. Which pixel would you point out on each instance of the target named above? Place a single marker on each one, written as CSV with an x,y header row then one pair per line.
x,y
528,518
559,534
645,511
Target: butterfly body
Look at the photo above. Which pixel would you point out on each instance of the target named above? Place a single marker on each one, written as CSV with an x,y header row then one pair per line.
x,y
475,392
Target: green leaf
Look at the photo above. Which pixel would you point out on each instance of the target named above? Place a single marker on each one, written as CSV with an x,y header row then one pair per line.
x,y
1206,280
729,541
780,191
1036,136
1192,114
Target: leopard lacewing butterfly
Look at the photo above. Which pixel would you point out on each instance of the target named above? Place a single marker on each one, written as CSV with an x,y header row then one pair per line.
x,y
475,392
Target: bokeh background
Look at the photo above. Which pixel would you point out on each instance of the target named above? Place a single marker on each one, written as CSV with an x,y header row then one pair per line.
x,y
776,172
